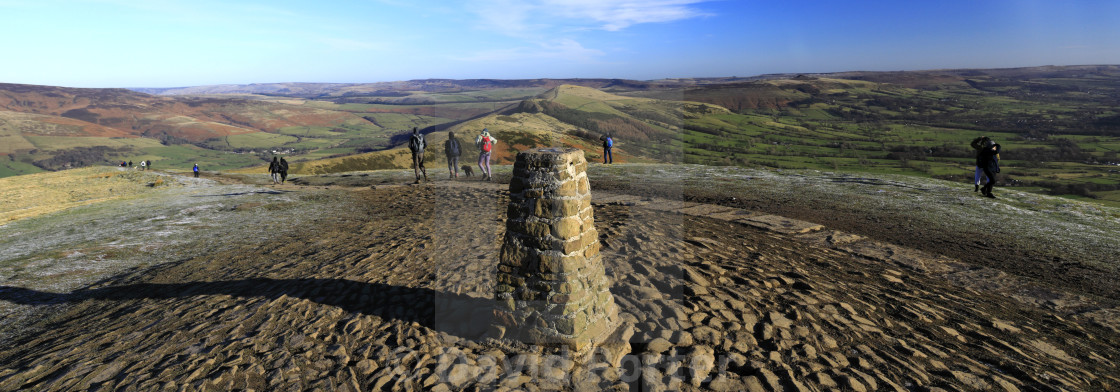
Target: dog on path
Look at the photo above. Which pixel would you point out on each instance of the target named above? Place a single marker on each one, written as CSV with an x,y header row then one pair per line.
x,y
467,170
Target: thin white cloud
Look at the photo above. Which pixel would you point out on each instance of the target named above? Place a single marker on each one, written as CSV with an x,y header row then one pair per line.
x,y
517,17
561,49
619,14
509,17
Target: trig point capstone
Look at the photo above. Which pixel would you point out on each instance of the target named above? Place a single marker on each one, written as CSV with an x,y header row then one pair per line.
x,y
552,288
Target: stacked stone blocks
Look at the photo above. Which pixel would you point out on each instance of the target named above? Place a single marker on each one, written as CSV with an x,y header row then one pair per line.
x,y
552,288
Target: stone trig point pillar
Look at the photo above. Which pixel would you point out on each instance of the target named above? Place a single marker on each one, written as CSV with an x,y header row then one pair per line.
x,y
551,286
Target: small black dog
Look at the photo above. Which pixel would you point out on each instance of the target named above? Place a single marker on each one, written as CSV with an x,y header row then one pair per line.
x,y
468,171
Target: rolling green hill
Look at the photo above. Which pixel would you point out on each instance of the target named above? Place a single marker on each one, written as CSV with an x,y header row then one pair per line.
x,y
1059,126
1059,143
1056,136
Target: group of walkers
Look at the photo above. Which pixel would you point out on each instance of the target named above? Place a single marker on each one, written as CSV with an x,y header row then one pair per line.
x,y
278,170
144,165
147,165
452,149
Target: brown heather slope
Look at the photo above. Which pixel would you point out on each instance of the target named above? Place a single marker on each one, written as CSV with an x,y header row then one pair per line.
x,y
136,114
390,296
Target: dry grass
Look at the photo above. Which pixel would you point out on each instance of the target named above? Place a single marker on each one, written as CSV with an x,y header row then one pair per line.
x,y
33,195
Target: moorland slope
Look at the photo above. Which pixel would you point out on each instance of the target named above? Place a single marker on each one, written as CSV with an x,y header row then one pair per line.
x,y
1058,125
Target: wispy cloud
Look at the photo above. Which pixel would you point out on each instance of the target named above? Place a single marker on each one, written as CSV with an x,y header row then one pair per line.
x,y
620,14
561,49
516,17
509,17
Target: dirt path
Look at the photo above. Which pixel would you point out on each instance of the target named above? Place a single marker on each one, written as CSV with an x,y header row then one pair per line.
x,y
389,298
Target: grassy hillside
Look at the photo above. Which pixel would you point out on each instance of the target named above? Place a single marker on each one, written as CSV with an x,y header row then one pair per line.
x,y
1059,126
514,133
810,123
44,193
51,128
569,116
1062,141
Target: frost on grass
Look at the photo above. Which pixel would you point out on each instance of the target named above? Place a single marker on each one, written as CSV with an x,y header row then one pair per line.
x,y
1085,231
66,250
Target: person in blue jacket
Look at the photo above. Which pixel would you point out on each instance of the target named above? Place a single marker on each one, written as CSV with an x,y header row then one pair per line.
x,y
608,144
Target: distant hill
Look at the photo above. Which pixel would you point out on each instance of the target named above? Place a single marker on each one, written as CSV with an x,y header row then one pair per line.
x,y
49,128
921,78
329,90
140,114
1060,126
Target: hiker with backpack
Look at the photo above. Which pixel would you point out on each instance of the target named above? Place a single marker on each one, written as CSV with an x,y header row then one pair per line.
x,y
274,171
608,144
416,144
987,159
196,170
978,144
453,149
485,144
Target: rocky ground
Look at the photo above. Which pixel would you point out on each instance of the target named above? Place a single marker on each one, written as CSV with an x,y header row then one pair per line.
x,y
392,295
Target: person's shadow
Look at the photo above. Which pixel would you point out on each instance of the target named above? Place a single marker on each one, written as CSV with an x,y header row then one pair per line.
x,y
455,314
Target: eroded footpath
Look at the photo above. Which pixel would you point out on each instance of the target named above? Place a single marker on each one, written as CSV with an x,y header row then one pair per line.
x,y
391,296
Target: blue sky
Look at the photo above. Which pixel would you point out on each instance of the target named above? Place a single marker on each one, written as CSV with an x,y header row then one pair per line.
x,y
166,43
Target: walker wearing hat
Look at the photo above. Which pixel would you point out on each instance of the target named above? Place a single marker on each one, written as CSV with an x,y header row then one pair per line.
x,y
485,144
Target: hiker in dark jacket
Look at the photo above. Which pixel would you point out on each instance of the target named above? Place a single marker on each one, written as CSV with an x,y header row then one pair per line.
x,y
988,161
978,144
274,170
453,148
416,144
283,170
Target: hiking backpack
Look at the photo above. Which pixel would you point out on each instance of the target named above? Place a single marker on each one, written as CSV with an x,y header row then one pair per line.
x,y
610,142
486,141
417,143
453,148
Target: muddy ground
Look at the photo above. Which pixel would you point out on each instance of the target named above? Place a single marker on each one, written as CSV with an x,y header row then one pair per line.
x,y
393,295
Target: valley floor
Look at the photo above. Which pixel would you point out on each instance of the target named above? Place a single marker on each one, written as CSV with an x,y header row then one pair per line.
x,y
391,294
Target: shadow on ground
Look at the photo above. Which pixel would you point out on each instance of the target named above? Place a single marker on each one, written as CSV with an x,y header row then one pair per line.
x,y
376,299
268,192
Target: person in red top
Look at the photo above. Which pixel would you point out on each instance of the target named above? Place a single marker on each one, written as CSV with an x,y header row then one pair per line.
x,y
485,144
